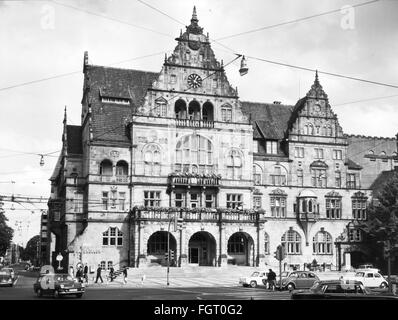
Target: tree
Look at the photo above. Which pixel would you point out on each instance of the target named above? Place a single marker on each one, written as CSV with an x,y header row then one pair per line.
x,y
30,252
6,233
382,224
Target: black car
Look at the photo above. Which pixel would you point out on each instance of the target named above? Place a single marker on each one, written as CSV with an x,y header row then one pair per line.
x,y
57,285
340,289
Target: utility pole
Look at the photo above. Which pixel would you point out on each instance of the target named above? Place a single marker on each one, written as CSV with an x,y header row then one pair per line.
x,y
389,265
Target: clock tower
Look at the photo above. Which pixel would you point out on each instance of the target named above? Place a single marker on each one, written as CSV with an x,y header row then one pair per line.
x,y
192,73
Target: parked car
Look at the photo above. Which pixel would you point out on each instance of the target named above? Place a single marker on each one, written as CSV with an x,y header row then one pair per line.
x,y
299,280
6,278
256,278
340,289
58,284
285,275
369,278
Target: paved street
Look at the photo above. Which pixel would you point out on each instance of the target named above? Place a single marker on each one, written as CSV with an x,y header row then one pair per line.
x,y
155,289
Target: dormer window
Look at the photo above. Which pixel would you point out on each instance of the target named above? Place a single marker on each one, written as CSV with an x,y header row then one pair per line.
x,y
271,147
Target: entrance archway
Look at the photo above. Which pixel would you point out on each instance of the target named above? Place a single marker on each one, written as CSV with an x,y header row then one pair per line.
x,y
202,249
241,249
157,247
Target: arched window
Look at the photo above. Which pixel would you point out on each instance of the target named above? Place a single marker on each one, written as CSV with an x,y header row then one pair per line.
x,y
266,243
106,168
371,152
226,113
194,110
180,109
122,171
193,152
157,243
383,153
322,243
234,165
310,129
257,174
291,242
208,111
112,237
152,160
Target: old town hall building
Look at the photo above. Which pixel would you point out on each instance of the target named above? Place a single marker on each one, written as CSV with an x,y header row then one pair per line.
x,y
176,159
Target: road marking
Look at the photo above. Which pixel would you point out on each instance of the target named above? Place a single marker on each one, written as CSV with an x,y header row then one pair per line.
x,y
16,280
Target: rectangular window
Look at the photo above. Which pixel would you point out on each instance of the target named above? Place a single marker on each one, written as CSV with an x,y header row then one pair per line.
x,y
78,202
255,146
57,215
209,200
122,200
152,198
105,200
215,83
318,153
300,179
256,203
299,152
226,114
173,78
271,147
337,154
338,179
333,208
359,208
194,200
234,201
179,201
351,181
278,206
113,199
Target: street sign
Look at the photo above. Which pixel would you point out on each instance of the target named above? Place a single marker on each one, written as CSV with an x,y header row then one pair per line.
x,y
59,257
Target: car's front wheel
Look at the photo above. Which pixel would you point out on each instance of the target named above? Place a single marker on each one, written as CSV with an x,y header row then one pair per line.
x,y
384,285
290,286
39,293
253,284
56,294
79,295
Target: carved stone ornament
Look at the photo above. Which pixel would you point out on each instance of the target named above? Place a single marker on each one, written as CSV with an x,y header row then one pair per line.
x,y
114,154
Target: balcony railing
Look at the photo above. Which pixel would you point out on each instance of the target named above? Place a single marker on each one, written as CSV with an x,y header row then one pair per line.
x,y
108,178
75,180
198,214
192,180
194,123
309,216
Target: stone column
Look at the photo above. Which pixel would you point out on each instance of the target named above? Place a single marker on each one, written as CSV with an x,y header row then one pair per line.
x,y
141,246
222,255
135,247
260,261
183,247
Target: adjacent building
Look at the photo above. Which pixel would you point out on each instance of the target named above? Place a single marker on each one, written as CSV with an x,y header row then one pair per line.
x,y
175,161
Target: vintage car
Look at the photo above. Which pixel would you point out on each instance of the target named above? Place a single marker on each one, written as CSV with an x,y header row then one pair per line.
x,y
369,278
256,278
6,278
299,280
58,284
12,272
340,289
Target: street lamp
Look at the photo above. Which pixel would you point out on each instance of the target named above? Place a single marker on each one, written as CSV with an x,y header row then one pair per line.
x,y
59,258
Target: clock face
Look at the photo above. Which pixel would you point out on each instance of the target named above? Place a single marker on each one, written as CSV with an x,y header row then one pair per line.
x,y
317,108
194,80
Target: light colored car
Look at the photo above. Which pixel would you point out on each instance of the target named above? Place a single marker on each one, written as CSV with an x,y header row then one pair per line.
x,y
299,280
369,278
256,278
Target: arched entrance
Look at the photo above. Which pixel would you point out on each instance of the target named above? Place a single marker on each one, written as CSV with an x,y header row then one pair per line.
x,y
157,247
202,249
241,249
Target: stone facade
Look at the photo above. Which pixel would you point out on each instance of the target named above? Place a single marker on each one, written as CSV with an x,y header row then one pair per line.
x,y
175,161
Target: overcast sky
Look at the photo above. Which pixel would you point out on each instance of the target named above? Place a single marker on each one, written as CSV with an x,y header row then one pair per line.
x,y
45,39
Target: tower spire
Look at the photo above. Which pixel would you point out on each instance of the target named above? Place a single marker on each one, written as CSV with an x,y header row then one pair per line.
x,y
194,15
316,78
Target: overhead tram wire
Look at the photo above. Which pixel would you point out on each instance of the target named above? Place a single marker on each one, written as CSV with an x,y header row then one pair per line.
x,y
293,21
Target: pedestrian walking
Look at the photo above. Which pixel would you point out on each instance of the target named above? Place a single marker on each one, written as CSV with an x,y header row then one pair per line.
x,y
112,274
79,274
85,273
71,271
125,275
271,277
99,270
143,279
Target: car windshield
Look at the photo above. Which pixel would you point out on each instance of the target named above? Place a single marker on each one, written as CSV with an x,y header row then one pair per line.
x,y
63,277
285,274
360,274
4,272
255,274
